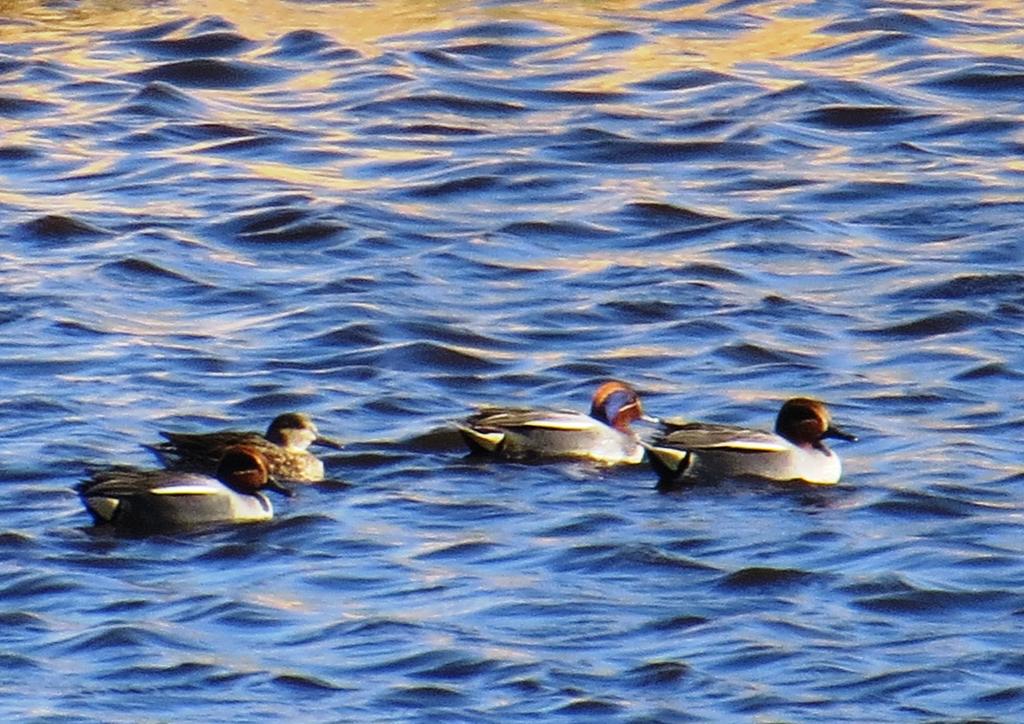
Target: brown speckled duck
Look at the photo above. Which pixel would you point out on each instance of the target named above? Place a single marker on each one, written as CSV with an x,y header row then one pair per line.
x,y
284,447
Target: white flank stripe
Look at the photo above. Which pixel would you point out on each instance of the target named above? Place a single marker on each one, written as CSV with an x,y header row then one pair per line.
x,y
184,490
757,445
568,425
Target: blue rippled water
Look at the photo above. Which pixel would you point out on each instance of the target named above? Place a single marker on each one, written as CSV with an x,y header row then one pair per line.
x,y
386,213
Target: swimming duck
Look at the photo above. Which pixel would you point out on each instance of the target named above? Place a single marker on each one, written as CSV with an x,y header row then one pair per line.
x,y
696,451
603,436
283,447
150,500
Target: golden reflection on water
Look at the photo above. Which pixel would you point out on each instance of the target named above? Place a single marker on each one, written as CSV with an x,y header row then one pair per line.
x,y
372,27
778,36
776,32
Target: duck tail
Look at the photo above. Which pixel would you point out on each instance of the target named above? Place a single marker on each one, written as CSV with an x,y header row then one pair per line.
x,y
668,462
482,440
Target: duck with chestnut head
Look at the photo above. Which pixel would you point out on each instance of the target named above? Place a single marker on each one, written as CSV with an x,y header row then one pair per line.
x,y
692,452
604,435
153,500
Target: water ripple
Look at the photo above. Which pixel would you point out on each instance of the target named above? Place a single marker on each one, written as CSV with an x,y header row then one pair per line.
x,y
387,216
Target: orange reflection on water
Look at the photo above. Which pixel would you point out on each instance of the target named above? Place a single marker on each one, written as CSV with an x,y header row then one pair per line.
x,y
775,31
374,27
665,41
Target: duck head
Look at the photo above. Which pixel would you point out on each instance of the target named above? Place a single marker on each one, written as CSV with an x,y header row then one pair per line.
x,y
806,422
244,469
617,405
296,431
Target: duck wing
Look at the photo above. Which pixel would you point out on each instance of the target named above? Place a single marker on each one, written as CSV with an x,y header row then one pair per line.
x,y
709,436
199,451
126,482
510,418
205,441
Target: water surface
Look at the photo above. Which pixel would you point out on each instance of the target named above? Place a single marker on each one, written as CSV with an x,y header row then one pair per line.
x,y
385,213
